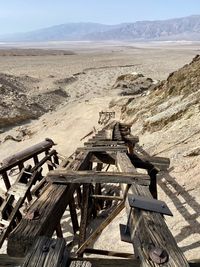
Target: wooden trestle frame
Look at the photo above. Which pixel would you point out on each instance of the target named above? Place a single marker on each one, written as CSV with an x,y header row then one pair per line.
x,y
33,204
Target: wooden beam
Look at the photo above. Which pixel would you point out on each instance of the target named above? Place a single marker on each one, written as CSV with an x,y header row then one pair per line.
x,y
7,261
103,148
153,184
79,263
47,252
105,197
109,253
73,214
26,154
100,228
62,176
36,189
106,262
98,204
15,211
43,160
106,158
147,162
84,214
59,231
148,229
103,143
49,208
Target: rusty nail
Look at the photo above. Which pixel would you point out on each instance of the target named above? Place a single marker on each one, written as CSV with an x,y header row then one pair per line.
x,y
158,255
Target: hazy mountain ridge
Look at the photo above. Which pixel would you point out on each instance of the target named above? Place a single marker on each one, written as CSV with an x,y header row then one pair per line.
x,y
187,28
63,32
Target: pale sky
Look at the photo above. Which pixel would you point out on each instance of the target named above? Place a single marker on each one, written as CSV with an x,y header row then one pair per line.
x,y
26,15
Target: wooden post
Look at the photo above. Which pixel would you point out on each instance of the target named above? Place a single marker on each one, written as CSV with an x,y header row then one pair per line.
x,y
98,204
59,230
79,196
35,159
55,158
148,229
74,218
21,165
84,214
153,184
6,180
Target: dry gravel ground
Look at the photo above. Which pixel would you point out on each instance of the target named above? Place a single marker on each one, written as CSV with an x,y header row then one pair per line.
x,y
98,66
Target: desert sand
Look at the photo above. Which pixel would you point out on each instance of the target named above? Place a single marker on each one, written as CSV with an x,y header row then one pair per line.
x,y
96,68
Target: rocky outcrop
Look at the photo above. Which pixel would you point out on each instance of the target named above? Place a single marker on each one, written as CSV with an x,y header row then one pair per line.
x,y
173,99
134,84
18,103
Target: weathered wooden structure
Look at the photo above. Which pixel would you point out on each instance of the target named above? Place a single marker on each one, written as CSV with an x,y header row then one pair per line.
x,y
78,183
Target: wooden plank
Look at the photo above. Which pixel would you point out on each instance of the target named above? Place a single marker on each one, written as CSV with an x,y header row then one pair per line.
x,y
148,229
105,197
47,252
100,138
100,228
6,261
107,262
50,207
36,189
81,161
103,148
116,132
148,162
78,263
103,143
62,176
109,253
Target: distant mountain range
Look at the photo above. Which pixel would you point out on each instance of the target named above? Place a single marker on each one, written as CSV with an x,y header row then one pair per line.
x,y
187,28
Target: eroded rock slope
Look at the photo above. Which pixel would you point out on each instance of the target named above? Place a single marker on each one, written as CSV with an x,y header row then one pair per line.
x,y
22,100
